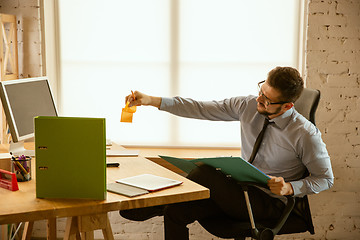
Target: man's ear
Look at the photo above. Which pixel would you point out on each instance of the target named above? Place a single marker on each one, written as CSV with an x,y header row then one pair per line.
x,y
287,106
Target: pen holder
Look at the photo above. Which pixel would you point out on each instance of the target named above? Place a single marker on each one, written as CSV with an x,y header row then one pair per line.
x,y
21,166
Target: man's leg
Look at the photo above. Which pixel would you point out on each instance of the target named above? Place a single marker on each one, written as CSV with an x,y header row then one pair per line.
x,y
229,196
226,197
142,214
178,216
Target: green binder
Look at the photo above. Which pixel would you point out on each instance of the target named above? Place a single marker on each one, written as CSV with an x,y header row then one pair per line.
x,y
236,167
70,156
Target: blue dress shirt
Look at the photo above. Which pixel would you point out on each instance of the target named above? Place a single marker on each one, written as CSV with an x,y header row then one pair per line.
x,y
291,144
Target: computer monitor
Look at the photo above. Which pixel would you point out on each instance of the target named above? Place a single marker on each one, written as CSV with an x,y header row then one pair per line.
x,y
22,100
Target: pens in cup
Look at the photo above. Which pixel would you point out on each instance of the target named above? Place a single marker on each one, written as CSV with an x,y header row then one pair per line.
x,y
23,171
19,165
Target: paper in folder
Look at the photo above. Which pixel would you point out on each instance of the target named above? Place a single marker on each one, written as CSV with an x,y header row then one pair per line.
x,y
238,168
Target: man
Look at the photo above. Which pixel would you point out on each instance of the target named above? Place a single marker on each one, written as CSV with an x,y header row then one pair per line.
x,y
290,146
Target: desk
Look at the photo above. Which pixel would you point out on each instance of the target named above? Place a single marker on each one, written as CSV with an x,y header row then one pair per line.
x,y
23,206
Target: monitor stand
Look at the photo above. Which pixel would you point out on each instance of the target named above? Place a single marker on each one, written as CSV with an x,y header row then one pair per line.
x,y
18,149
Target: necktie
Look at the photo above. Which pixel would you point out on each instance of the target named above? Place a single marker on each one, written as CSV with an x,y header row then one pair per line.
x,y
258,141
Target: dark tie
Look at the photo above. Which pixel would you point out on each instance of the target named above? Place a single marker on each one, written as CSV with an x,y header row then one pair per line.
x,y
258,141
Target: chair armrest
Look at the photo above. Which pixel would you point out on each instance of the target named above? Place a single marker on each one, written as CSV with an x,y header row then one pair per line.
x,y
284,216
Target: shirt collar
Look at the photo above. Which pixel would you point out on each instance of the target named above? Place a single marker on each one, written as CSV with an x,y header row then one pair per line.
x,y
282,120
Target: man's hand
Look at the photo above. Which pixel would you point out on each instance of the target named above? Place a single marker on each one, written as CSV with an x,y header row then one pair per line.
x,y
278,186
142,99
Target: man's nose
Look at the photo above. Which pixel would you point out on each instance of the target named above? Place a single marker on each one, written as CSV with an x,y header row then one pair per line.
x,y
260,99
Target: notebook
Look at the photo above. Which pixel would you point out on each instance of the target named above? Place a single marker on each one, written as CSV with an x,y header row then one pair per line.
x,y
149,182
70,157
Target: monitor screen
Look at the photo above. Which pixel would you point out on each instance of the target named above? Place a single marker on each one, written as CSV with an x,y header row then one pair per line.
x,y
23,100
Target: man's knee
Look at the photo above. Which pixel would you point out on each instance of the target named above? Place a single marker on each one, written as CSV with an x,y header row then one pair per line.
x,y
202,173
142,214
175,213
182,213
210,177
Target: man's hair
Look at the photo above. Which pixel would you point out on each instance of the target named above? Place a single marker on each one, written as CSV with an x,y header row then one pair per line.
x,y
288,81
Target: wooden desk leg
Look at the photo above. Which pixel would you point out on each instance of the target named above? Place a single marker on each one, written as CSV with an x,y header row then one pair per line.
x,y
51,229
4,231
87,225
107,232
71,229
28,227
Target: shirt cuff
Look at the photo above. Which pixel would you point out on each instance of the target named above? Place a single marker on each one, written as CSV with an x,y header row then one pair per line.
x,y
299,188
166,103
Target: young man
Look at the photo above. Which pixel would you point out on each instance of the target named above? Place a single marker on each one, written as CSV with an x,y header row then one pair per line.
x,y
290,146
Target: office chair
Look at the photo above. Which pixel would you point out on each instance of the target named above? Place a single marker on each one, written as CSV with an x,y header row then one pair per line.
x,y
296,217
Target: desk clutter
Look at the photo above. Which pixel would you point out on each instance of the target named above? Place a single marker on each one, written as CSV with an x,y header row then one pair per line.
x,y
20,172
8,180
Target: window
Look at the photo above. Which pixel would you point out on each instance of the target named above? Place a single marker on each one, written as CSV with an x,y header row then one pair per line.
x,y
203,49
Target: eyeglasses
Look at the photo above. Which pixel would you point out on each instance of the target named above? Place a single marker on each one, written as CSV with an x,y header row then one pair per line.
x,y
267,101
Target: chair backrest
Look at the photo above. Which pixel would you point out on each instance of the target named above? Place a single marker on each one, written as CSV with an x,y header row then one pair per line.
x,y
307,103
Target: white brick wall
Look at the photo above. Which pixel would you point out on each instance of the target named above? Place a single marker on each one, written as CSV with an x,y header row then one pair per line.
x,y
28,33
332,53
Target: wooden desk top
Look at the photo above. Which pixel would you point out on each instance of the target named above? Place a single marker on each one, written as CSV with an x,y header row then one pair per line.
x,y
188,153
22,205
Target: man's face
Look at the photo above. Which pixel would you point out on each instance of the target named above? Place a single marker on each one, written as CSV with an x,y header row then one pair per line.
x,y
268,101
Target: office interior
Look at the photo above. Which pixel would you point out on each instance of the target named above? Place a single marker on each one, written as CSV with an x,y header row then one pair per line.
x,y
330,63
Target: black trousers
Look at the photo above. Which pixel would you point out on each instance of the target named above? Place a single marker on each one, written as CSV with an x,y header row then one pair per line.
x,y
226,197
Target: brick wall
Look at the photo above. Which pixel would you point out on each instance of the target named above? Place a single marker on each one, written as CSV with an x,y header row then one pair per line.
x,y
333,67
27,14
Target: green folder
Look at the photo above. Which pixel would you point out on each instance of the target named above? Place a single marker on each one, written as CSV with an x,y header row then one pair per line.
x,y
70,156
236,167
